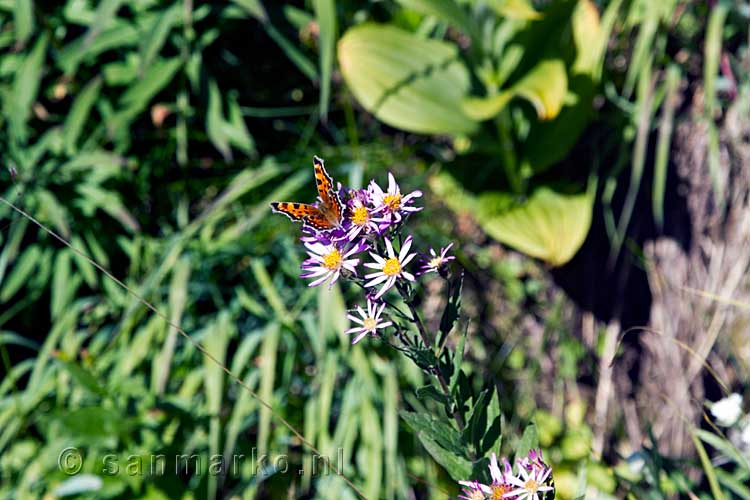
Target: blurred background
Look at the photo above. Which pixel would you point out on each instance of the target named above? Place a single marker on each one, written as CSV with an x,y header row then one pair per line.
x,y
590,160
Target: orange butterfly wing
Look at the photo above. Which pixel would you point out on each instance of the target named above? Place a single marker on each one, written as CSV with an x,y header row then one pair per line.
x,y
295,211
323,217
318,221
326,190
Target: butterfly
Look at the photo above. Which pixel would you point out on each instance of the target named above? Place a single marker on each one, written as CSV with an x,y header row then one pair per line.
x,y
327,214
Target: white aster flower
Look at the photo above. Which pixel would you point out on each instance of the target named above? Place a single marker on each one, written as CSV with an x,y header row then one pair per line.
x,y
390,268
369,321
391,204
360,218
328,261
529,483
727,411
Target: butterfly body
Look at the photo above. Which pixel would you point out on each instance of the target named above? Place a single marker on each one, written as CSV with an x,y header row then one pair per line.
x,y
326,214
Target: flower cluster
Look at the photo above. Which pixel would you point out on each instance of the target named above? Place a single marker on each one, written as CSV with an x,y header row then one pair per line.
x,y
532,482
354,227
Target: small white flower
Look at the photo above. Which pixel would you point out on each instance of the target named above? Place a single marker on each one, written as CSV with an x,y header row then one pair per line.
x,y
369,321
434,262
500,482
391,204
529,483
327,261
727,411
390,268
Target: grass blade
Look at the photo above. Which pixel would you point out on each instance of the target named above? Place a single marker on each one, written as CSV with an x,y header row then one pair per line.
x,y
325,12
664,141
708,468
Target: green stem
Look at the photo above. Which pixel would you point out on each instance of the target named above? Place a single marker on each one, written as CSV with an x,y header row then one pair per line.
x,y
425,338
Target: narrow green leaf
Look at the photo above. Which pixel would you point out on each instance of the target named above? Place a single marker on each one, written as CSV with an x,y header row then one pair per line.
x,y
53,211
20,273
325,13
79,114
452,310
156,77
268,356
726,447
254,8
664,142
708,468
224,133
62,285
177,300
712,55
154,40
292,52
734,484
23,20
458,359
216,345
25,88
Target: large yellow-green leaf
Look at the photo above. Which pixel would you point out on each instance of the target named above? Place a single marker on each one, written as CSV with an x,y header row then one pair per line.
x,y
410,83
550,142
445,10
544,87
548,225
514,9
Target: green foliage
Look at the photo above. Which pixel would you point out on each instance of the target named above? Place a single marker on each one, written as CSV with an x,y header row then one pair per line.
x,y
421,84
151,138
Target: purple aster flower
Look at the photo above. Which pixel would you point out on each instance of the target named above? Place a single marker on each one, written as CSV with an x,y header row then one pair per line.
x,y
499,487
472,491
435,262
391,204
369,321
532,480
390,268
328,261
359,215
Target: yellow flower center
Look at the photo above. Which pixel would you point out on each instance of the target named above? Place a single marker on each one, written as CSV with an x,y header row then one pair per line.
x,y
392,201
498,490
531,486
360,216
369,324
332,261
435,262
392,266
477,495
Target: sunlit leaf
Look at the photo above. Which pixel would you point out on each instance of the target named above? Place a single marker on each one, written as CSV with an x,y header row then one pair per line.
x,y
407,82
514,9
445,10
544,87
549,142
548,225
